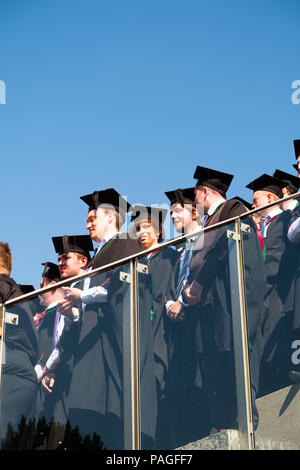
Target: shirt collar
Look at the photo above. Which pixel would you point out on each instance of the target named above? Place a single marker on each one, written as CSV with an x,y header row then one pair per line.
x,y
52,305
106,239
214,206
292,205
274,212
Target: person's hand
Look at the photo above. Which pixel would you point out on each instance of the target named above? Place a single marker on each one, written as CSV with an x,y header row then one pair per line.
x,y
65,307
175,312
192,294
73,295
48,382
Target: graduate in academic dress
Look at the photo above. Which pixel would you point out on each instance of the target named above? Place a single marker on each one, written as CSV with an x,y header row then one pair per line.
x,y
208,286
276,325
19,382
147,222
186,221
95,390
292,185
45,324
73,255
185,378
297,155
292,305
33,304
44,321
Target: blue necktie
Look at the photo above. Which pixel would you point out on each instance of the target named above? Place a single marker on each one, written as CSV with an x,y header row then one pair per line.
x,y
184,271
263,225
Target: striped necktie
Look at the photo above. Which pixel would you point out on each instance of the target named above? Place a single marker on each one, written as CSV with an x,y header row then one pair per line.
x,y
39,317
263,225
184,266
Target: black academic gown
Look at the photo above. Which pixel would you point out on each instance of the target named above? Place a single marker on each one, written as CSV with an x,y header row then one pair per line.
x,y
163,266
288,329
182,348
45,331
210,268
45,335
92,355
19,381
292,306
292,302
280,256
159,288
186,413
296,307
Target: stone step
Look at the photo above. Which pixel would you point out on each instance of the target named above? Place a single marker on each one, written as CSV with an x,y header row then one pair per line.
x,y
229,440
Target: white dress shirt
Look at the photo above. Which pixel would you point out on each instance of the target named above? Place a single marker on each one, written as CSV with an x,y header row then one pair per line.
x,y
294,231
97,293
59,327
273,213
88,295
214,206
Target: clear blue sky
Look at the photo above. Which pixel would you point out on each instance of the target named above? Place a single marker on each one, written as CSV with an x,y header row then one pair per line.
x,y
134,94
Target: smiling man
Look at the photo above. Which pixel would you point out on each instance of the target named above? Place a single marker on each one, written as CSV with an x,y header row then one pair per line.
x,y
73,254
94,355
188,408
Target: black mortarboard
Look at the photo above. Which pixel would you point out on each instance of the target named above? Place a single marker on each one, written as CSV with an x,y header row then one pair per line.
x,y
245,203
156,214
267,183
25,288
297,148
106,199
216,180
34,304
292,183
181,196
51,270
73,244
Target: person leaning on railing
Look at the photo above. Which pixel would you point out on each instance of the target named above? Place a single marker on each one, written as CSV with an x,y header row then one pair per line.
x,y
95,356
147,225
294,307
188,411
279,262
208,286
19,382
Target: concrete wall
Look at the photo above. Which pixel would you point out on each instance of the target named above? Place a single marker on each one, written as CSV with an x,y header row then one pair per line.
x,y
279,415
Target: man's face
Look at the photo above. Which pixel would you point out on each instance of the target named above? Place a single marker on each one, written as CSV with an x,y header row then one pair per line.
x,y
70,264
201,198
46,298
260,198
97,224
181,217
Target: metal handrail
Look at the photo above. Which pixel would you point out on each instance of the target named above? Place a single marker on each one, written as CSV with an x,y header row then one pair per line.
x,y
141,254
